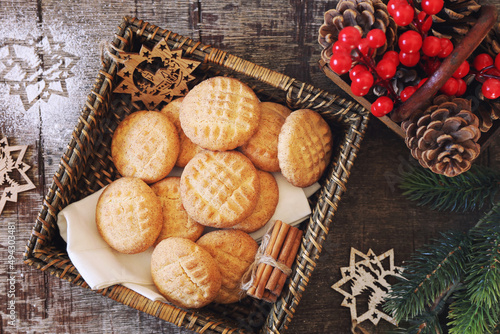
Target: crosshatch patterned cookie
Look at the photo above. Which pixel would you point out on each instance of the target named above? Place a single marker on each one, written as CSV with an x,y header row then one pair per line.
x,y
262,147
234,251
176,222
145,145
188,149
304,147
220,113
185,273
266,204
129,215
219,189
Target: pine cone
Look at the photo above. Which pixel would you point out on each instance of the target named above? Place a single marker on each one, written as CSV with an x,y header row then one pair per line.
x,y
444,137
403,78
455,19
362,14
491,43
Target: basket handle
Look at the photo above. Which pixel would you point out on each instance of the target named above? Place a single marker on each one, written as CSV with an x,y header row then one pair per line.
x,y
470,42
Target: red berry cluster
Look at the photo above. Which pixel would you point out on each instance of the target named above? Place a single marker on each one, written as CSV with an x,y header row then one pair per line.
x,y
416,47
487,71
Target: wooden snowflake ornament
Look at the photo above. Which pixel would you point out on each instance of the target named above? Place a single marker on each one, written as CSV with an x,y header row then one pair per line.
x,y
12,168
366,278
155,76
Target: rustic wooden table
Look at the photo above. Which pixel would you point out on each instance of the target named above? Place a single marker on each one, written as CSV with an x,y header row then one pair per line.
x,y
49,58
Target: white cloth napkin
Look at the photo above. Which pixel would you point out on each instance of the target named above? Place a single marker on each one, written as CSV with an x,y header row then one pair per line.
x,y
101,266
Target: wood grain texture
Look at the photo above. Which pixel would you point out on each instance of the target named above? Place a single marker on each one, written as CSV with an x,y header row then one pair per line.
x,y
282,36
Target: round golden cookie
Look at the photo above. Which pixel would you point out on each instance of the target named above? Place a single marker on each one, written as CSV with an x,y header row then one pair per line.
x,y
262,147
176,222
188,149
219,189
185,273
266,204
304,147
129,215
234,251
220,114
145,145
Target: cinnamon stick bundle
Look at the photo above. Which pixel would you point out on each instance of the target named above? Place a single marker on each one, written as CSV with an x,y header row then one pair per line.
x,y
282,247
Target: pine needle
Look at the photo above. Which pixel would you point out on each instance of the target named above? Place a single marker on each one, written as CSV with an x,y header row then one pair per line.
x,y
469,191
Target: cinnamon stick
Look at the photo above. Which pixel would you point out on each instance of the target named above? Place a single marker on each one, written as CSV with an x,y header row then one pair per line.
x,y
283,257
281,282
261,285
268,250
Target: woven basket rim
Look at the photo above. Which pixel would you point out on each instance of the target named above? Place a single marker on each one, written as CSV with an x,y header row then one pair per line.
x,y
352,117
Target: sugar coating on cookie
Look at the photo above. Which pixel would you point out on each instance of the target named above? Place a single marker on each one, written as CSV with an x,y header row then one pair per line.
x,y
234,251
219,189
304,147
185,273
145,145
129,215
188,149
176,222
220,113
266,204
262,147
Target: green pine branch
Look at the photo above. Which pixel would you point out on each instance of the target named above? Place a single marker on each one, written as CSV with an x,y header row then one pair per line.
x,y
477,307
463,266
429,274
468,191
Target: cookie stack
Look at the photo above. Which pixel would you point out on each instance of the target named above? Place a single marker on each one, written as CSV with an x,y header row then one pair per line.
x,y
228,143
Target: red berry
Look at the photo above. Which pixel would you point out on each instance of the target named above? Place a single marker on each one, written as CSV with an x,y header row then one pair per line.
x,y
350,36
362,82
376,38
450,87
363,46
432,66
410,41
403,14
382,106
491,88
425,21
462,87
340,47
421,82
407,92
356,70
462,70
391,5
432,7
446,48
497,61
482,60
409,59
359,90
431,46
340,62
385,69
392,56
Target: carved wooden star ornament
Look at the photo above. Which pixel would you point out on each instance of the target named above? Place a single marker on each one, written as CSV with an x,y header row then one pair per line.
x,y
366,279
155,76
13,178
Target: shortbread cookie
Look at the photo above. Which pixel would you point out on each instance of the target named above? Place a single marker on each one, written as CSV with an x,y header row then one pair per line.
x,y
188,149
234,251
266,204
219,189
185,273
220,114
128,215
145,145
176,222
262,147
304,147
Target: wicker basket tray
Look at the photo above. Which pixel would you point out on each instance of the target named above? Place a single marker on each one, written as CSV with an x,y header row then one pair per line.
x,y
86,167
